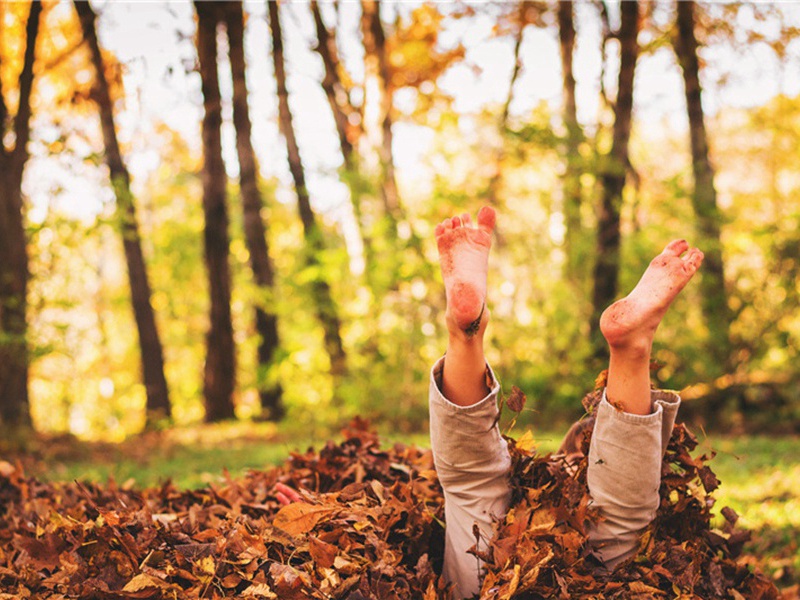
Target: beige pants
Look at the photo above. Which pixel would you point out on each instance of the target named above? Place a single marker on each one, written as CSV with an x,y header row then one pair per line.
x,y
472,462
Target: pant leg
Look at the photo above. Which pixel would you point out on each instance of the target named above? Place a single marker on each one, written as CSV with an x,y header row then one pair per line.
x,y
624,473
472,462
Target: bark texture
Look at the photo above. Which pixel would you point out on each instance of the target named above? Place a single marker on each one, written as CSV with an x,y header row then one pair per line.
x,y
348,120
220,367
572,176
606,269
158,404
270,391
704,199
14,356
376,67
324,305
345,115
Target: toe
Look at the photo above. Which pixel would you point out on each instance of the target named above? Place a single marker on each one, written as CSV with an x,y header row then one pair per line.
x,y
676,247
447,224
693,259
439,230
466,219
456,221
486,218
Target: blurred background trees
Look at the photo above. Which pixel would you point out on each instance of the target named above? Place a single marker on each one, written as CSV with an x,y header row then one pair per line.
x,y
288,165
14,275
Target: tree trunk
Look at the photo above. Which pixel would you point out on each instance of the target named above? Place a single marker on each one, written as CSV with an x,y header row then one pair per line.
x,y
704,200
348,122
376,66
496,180
158,405
270,391
606,268
345,115
325,307
14,401
14,406
220,367
572,176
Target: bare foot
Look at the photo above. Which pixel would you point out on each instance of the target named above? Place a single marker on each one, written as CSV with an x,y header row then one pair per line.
x,y
464,260
632,321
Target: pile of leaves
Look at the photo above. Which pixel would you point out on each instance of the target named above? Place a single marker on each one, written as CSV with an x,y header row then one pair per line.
x,y
366,531
540,550
369,525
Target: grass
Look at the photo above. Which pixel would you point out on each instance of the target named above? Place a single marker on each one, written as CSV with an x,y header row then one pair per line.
x,y
760,478
190,457
193,457
760,475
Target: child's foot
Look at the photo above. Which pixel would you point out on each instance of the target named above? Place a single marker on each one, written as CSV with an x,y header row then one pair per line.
x,y
464,260
630,323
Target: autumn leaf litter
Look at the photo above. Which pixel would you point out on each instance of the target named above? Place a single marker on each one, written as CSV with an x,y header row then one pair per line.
x,y
370,525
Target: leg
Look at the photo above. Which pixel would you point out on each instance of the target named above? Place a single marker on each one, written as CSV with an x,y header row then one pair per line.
x,y
630,324
464,257
624,472
470,455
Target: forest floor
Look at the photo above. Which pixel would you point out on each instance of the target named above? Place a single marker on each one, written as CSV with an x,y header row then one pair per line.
x,y
760,474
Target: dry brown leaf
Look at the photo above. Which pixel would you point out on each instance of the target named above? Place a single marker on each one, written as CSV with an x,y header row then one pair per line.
x,y
322,552
144,581
299,517
261,591
381,538
516,399
637,587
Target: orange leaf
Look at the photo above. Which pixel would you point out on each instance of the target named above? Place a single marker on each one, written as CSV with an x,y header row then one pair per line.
x,y
299,517
322,552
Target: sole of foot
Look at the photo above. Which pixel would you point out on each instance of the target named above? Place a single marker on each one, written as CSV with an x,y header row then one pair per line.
x,y
464,259
632,321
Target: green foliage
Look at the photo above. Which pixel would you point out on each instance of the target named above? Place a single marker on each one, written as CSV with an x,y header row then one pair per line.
x,y
759,477
85,369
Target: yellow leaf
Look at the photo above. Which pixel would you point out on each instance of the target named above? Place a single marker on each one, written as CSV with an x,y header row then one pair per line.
x,y
526,442
207,565
260,590
143,581
637,587
542,520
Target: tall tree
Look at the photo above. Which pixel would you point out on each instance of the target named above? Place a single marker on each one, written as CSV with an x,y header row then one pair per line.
x,y
612,176
158,405
346,116
704,199
270,391
14,403
376,69
572,175
220,368
321,292
348,119
496,180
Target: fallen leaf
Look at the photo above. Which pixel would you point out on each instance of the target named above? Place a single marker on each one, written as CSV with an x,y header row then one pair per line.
x,y
516,399
299,517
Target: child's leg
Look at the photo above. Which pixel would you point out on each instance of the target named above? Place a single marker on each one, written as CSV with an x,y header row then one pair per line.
x,y
464,256
634,423
470,455
630,324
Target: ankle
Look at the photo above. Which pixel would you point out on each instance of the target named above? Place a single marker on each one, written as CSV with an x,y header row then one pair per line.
x,y
460,341
632,348
470,335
